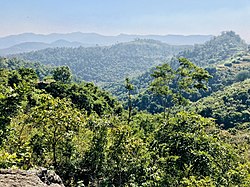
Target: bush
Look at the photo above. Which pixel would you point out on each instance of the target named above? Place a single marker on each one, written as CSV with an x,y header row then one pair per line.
x,y
242,75
236,62
228,64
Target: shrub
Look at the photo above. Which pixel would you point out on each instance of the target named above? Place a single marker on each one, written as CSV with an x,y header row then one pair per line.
x,y
228,64
242,75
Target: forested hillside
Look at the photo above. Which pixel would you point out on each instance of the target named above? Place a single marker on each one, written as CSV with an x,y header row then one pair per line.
x,y
236,69
107,64
232,67
14,63
215,50
230,107
86,136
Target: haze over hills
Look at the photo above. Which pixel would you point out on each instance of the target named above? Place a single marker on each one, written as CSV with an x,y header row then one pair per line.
x,y
34,46
29,41
112,64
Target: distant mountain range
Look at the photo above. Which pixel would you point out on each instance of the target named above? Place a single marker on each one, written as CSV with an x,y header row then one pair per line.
x,y
34,46
31,42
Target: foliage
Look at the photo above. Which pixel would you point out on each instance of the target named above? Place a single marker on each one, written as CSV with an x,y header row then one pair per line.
x,y
230,106
243,75
172,87
62,74
215,51
188,149
106,64
187,79
85,96
14,63
83,133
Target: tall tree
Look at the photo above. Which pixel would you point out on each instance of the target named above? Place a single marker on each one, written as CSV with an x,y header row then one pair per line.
x,y
62,74
164,76
172,85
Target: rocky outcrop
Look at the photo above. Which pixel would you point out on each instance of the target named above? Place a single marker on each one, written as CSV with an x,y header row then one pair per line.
x,y
38,178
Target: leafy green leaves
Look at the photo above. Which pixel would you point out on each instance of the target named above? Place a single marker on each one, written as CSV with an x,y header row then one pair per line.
x,y
79,131
172,85
230,107
62,74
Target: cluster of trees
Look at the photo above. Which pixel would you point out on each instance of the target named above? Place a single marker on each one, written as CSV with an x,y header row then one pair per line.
x,y
107,64
221,77
230,106
14,63
233,68
83,133
218,49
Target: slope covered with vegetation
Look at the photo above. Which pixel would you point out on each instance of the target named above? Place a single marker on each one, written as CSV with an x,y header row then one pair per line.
x,y
214,51
107,64
229,107
235,69
14,63
88,139
225,71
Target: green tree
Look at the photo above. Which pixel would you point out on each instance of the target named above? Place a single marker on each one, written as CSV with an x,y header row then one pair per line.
x,y
50,126
188,148
58,122
242,75
161,85
62,74
174,85
17,88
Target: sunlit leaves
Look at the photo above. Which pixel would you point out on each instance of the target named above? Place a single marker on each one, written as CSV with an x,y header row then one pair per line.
x,y
174,85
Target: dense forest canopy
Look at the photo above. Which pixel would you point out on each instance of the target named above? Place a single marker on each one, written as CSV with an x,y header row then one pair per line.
x,y
215,50
107,64
230,106
14,63
86,136
224,69
177,126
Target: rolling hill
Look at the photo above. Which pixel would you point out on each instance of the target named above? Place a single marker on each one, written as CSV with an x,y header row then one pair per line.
x,y
34,46
107,64
231,68
229,107
214,51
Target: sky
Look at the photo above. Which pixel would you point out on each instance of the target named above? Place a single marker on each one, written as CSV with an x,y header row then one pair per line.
x,y
113,17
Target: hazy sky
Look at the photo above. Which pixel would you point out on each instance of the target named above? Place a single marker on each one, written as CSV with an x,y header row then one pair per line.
x,y
112,17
